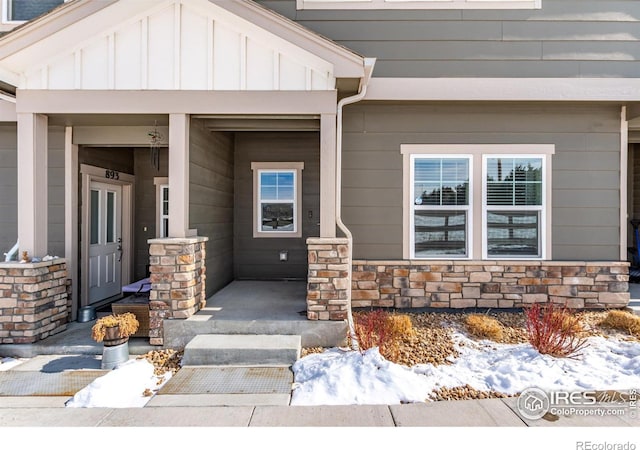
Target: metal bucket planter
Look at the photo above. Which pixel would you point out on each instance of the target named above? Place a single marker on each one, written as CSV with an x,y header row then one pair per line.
x,y
114,355
116,348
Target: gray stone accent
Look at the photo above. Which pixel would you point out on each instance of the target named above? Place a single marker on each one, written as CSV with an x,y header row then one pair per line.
x,y
177,267
33,300
489,284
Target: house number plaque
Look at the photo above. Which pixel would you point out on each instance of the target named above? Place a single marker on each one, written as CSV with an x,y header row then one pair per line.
x,y
112,174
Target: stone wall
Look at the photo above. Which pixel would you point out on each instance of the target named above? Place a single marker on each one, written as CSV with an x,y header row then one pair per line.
x,y
177,267
33,300
328,279
489,284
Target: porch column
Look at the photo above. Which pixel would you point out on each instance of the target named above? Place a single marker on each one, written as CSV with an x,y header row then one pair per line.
x,y
179,175
71,215
32,184
328,175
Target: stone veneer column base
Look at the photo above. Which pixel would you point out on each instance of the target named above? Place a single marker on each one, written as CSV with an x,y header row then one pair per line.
x,y
177,267
328,280
489,284
33,300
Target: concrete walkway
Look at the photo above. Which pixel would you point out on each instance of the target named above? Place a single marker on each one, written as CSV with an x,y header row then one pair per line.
x,y
461,413
34,393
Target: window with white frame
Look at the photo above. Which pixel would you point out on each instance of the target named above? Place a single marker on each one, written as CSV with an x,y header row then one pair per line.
x,y
513,206
277,197
441,211
477,201
164,211
419,4
18,11
162,206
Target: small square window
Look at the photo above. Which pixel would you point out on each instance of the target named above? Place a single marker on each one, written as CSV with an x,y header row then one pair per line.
x,y
277,197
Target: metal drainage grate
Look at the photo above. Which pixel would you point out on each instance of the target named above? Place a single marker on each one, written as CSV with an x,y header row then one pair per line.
x,y
26,383
230,380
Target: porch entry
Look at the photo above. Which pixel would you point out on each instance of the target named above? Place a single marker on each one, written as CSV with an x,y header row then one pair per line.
x,y
105,241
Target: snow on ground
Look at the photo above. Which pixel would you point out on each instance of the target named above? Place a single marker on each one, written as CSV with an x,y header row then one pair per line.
x,y
344,377
122,387
338,377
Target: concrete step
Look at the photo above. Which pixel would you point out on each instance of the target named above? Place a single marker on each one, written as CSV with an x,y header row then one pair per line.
x,y
242,350
314,333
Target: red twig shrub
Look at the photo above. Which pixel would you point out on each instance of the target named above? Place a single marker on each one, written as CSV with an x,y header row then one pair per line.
x,y
371,329
554,331
378,328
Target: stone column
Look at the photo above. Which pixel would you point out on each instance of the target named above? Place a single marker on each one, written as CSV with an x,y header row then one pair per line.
x,y
177,267
33,300
328,281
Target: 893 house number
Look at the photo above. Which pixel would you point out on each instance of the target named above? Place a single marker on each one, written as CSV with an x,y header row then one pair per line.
x,y
112,174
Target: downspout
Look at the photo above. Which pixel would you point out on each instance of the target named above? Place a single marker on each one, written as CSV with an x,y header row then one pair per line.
x,y
624,156
369,64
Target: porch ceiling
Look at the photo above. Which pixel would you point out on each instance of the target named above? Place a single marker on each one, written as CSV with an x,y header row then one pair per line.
x,y
256,123
108,120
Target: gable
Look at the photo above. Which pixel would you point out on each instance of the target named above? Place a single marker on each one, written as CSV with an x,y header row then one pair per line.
x,y
168,45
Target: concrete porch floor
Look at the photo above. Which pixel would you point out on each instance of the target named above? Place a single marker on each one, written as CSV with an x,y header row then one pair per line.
x,y
257,307
257,300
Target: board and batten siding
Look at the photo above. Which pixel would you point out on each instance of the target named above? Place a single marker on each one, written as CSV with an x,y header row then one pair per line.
x,y
258,258
9,189
566,38
586,166
211,200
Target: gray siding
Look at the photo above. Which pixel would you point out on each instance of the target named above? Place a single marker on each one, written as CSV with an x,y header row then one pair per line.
x,y
211,200
257,258
9,189
145,205
56,191
566,38
585,176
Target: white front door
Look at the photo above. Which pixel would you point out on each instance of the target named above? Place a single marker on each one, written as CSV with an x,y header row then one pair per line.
x,y
105,240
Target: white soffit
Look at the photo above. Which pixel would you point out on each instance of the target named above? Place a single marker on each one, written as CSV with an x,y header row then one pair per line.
x,y
167,45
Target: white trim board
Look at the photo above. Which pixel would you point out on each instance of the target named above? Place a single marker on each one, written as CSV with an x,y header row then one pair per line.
x,y
504,89
418,4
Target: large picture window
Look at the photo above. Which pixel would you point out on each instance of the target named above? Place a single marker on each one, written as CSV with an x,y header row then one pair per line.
x,y
440,217
477,201
277,195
